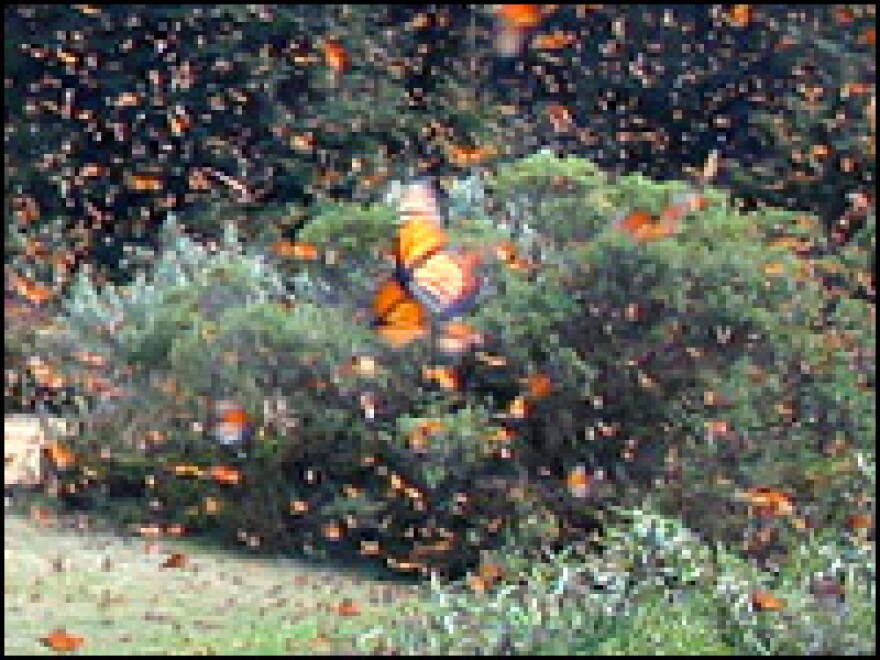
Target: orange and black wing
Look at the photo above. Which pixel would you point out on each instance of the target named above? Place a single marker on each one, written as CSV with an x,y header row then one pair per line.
x,y
421,233
397,316
446,283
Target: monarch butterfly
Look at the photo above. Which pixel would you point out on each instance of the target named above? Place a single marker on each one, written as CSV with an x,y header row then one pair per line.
x,y
514,22
335,56
644,226
232,425
553,41
223,474
428,278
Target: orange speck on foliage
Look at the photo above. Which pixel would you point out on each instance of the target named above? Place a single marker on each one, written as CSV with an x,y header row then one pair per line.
x,y
347,608
763,601
34,292
539,385
458,337
361,365
335,56
223,474
369,548
518,408
41,515
717,427
445,377
464,156
185,470
769,502
179,124
61,641
235,415
501,434
295,250
773,269
740,15
578,481
418,437
299,507
60,457
145,183
553,41
843,15
642,225
174,560
487,576
858,521
520,16
491,360
331,531
44,375
856,88
559,116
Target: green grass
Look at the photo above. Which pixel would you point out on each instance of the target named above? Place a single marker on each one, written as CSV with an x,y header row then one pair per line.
x,y
111,590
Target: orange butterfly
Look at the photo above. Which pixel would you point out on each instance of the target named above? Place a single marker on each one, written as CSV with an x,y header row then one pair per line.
x,y
223,474
465,156
233,427
459,338
553,41
347,608
740,15
145,182
34,292
446,377
335,56
428,278
62,641
443,281
578,481
174,560
514,22
295,250
60,457
645,226
763,601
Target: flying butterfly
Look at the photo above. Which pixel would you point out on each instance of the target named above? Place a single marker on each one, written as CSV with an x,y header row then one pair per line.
x,y
232,426
645,226
513,23
429,279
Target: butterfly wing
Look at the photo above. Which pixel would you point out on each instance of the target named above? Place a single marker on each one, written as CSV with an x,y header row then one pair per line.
x,y
421,233
446,283
232,426
398,317
417,240
639,224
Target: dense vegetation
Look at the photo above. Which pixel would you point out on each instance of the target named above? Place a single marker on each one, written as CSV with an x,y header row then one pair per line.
x,y
683,420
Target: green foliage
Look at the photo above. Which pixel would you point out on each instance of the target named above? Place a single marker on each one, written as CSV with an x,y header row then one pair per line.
x,y
652,345
655,588
684,373
353,231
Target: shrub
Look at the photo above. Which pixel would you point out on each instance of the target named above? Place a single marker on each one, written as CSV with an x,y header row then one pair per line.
x,y
700,371
654,588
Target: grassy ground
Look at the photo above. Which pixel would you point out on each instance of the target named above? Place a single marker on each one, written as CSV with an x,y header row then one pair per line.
x,y
111,590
